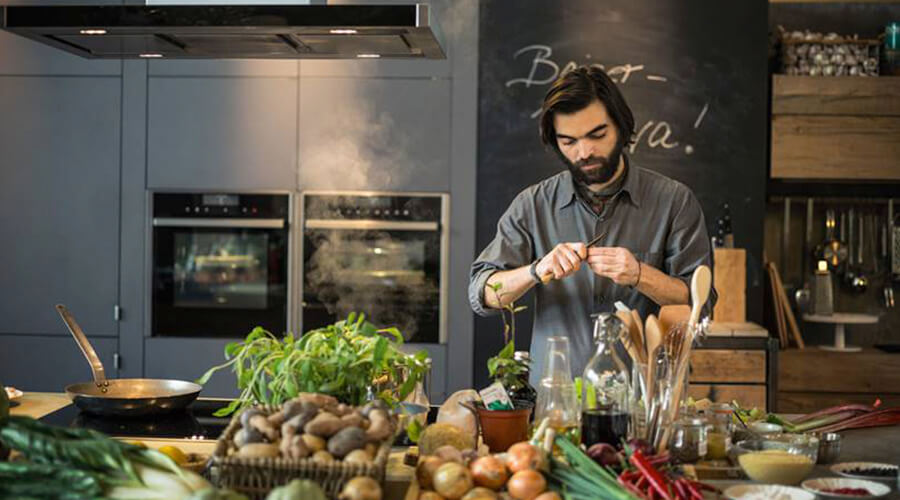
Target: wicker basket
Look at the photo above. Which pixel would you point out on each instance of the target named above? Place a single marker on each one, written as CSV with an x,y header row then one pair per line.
x,y
256,477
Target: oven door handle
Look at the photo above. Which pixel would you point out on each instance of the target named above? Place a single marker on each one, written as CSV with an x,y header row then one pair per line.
x,y
376,225
218,222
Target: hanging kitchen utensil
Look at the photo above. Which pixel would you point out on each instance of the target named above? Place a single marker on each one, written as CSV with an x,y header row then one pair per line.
x,y
860,282
832,250
849,272
127,397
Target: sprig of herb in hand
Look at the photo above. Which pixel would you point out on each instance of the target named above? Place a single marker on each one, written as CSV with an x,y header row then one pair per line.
x,y
343,360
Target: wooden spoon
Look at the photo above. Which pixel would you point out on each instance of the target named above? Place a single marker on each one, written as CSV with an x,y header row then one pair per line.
x,y
700,285
637,334
652,334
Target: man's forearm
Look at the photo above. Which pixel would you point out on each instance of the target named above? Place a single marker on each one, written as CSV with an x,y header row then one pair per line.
x,y
513,284
662,288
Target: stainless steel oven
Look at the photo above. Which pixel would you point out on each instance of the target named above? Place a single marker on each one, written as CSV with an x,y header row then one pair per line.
x,y
220,264
384,254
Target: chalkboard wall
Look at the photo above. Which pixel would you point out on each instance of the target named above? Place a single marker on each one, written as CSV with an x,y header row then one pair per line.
x,y
695,75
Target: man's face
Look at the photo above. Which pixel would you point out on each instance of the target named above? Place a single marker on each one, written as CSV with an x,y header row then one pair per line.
x,y
589,142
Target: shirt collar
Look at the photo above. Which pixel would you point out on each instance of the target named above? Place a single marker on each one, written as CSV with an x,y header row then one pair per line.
x,y
631,186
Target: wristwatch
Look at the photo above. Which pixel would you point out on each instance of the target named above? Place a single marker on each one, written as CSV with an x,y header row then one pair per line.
x,y
534,275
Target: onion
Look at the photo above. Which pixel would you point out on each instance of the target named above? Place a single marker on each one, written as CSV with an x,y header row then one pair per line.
x,y
526,485
524,456
452,480
426,469
489,472
548,495
361,488
479,493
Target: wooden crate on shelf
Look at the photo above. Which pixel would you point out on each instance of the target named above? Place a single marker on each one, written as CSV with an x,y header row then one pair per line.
x,y
812,379
726,369
836,127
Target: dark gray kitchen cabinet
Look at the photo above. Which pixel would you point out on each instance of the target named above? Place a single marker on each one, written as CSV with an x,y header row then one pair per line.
x,y
188,359
50,363
374,134
222,133
21,56
59,203
224,67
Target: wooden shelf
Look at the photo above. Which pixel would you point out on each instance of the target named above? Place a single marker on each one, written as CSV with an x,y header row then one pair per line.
x,y
836,95
836,128
813,378
834,1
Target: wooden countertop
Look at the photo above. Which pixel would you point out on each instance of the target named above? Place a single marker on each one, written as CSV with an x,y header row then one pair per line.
x,y
876,444
38,404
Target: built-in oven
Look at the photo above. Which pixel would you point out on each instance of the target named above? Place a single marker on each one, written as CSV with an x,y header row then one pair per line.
x,y
382,254
219,264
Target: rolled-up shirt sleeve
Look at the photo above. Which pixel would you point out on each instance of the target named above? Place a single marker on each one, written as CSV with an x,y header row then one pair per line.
x,y
512,247
688,245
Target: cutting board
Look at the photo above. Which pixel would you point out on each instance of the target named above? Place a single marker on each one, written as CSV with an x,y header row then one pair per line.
x,y
730,282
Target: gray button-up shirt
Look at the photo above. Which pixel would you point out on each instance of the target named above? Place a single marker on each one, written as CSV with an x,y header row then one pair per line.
x,y
658,219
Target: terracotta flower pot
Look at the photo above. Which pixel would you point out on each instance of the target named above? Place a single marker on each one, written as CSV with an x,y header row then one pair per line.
x,y
501,429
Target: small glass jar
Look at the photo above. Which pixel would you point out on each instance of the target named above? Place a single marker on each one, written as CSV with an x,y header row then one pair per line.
x,y
689,441
721,427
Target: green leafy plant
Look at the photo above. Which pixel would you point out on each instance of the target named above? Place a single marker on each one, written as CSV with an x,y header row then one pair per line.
x,y
504,367
352,360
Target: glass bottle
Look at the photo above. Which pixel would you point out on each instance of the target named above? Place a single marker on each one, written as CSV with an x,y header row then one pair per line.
x,y
720,417
520,388
556,398
605,400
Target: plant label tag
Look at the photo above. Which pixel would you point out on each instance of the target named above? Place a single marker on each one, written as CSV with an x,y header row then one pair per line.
x,y
495,397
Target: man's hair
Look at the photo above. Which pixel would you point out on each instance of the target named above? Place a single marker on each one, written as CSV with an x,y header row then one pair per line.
x,y
574,90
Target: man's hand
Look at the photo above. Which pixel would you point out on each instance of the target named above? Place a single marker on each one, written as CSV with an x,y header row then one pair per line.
x,y
615,263
562,261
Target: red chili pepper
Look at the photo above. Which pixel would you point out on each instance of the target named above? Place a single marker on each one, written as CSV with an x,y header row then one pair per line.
x,y
633,489
704,486
657,481
693,488
683,489
642,483
630,475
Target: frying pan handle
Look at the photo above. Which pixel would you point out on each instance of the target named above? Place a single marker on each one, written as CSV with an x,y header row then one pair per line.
x,y
85,345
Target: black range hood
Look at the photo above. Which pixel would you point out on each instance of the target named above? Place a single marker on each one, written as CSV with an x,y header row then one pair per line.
x,y
230,31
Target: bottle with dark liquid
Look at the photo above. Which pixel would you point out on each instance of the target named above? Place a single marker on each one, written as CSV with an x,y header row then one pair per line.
x,y
605,387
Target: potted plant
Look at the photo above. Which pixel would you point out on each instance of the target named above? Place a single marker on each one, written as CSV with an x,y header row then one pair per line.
x,y
503,428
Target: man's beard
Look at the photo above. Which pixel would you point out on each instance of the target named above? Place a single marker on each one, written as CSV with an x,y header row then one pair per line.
x,y
605,170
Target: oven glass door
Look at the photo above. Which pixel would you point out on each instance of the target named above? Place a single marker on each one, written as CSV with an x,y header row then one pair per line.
x,y
393,276
219,282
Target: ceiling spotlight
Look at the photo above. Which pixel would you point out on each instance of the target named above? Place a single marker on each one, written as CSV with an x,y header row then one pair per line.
x,y
93,32
368,56
342,32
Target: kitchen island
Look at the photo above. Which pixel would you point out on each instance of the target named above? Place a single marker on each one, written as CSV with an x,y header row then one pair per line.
x,y
880,444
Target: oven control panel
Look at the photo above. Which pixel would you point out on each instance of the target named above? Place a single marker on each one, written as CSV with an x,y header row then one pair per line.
x,y
231,205
398,207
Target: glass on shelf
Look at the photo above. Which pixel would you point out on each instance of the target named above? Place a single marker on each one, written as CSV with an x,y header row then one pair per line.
x,y
556,399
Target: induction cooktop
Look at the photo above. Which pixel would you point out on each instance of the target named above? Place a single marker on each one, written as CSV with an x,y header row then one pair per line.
x,y
194,422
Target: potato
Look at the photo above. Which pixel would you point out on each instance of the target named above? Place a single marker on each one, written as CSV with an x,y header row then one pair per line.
x,y
358,457
314,443
324,425
347,440
258,450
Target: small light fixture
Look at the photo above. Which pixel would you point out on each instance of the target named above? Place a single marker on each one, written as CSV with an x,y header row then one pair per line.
x,y
823,266
368,56
93,32
342,32
150,56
